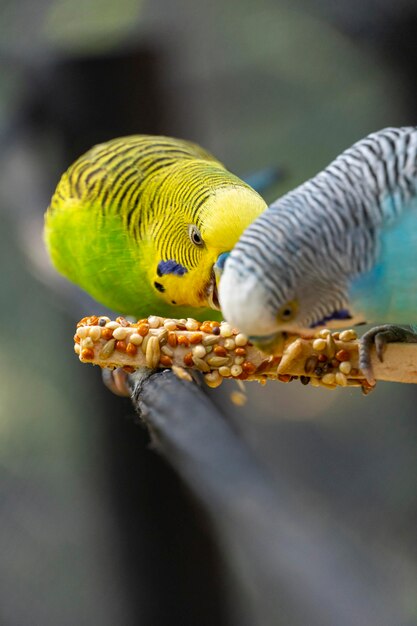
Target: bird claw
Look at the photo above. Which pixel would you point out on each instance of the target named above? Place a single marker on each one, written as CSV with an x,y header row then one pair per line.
x,y
117,381
380,336
122,383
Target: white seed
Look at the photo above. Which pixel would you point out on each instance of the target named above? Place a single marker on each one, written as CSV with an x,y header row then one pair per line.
x,y
87,343
341,379
199,351
191,324
328,379
165,350
153,352
210,340
238,398
136,339
218,361
348,335
162,336
120,333
107,349
321,384
154,321
324,333
170,325
213,379
82,332
241,340
239,360
209,349
236,370
314,382
112,325
181,373
200,364
319,344
345,367
331,347
225,330
224,371
229,344
144,343
95,333
77,348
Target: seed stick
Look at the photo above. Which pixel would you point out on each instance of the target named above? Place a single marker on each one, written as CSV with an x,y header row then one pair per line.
x,y
219,351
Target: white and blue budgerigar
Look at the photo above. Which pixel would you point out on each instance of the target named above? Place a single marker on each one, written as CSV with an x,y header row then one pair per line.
x,y
340,248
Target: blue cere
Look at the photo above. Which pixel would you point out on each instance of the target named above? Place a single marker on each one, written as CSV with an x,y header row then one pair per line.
x,y
221,260
343,314
170,267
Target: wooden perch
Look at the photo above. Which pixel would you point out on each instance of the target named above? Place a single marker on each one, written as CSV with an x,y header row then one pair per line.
x,y
218,351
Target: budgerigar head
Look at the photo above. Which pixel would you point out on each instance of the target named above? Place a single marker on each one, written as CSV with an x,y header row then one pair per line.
x,y
278,279
190,244
143,223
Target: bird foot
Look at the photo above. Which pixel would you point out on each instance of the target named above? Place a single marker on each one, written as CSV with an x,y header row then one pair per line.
x,y
121,383
117,381
379,336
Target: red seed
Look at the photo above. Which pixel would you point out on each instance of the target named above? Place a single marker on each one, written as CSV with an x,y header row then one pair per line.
x,y
87,354
220,351
183,341
195,338
248,367
107,333
188,359
131,349
172,339
262,366
342,355
240,352
165,360
121,346
143,329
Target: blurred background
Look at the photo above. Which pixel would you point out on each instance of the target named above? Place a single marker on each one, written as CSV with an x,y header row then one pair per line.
x,y
94,527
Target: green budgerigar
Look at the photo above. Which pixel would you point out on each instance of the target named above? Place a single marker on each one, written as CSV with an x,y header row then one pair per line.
x,y
142,222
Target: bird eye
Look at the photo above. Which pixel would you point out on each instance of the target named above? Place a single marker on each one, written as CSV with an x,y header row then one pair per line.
x,y
288,311
195,235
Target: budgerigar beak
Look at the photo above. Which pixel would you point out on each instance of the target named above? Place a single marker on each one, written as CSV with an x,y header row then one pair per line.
x,y
213,288
218,267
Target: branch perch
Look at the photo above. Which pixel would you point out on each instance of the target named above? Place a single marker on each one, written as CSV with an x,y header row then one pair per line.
x,y
291,568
